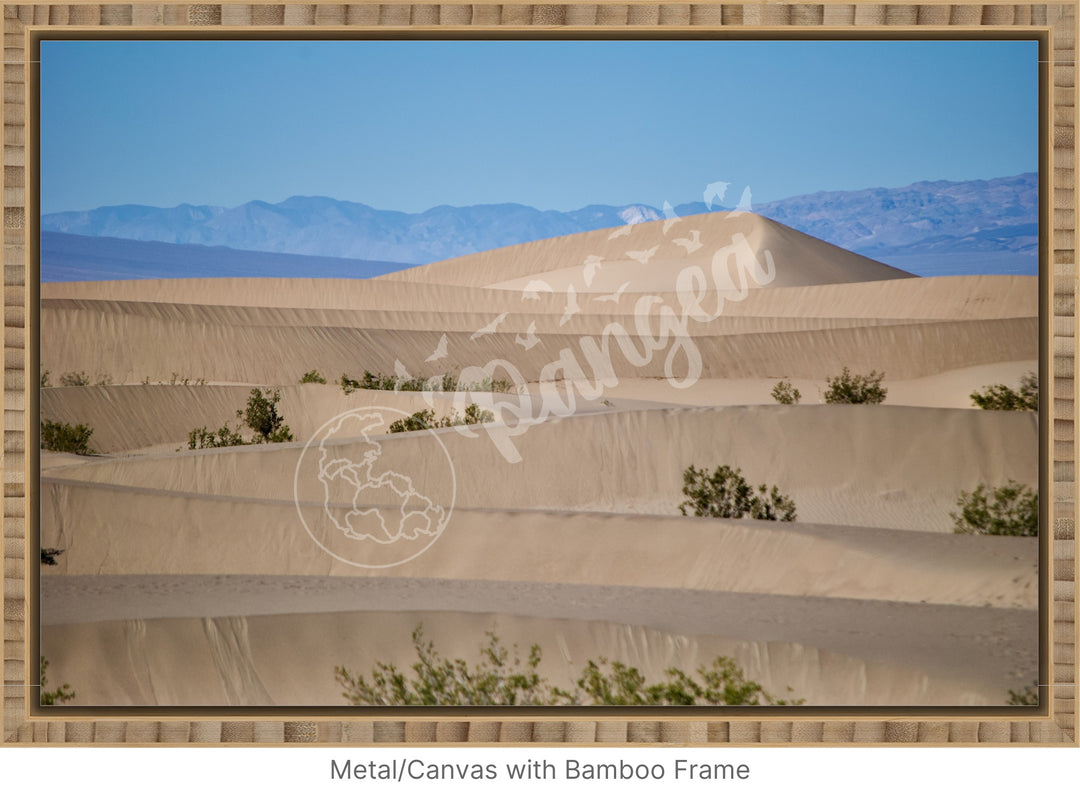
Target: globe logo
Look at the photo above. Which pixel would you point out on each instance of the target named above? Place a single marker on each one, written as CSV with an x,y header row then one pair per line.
x,y
370,499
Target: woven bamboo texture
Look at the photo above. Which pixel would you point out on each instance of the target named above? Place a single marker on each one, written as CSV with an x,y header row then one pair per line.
x,y
1057,726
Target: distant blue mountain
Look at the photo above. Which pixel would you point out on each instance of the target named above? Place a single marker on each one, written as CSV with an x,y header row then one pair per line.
x,y
70,257
980,226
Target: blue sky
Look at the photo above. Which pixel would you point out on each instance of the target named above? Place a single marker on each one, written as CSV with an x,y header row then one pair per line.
x,y
556,125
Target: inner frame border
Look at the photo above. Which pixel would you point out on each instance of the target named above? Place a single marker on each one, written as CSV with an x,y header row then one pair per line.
x,y
1053,722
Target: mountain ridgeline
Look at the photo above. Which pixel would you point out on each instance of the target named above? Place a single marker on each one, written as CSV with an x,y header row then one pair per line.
x,y
927,228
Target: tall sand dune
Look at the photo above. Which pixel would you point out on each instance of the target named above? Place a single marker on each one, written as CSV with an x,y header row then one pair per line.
x,y
650,254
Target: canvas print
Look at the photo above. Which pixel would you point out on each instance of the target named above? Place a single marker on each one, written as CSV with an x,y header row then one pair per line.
x,y
580,373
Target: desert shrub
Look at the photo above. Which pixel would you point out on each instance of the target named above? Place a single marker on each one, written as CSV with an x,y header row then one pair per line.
x,y
487,385
74,379
223,437
784,393
57,436
262,417
849,388
1001,396
105,379
473,415
48,556
425,419
312,377
502,678
58,696
1011,510
44,378
381,381
446,383
726,494
1027,696
498,679
179,379
721,683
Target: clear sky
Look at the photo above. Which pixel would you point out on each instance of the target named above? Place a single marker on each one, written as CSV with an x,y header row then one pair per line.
x,y
556,125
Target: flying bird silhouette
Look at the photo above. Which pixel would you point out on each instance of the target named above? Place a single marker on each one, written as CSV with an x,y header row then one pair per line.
x,y
534,288
716,190
621,232
399,371
643,256
439,352
572,307
489,328
615,296
671,217
744,202
530,339
691,244
592,264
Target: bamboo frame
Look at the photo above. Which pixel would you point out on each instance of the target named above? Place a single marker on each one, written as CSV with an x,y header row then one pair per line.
x,y
1053,723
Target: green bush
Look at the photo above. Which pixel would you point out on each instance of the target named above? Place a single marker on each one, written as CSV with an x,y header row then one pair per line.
x,y
262,417
1000,396
722,683
501,678
446,383
57,436
312,377
726,494
44,378
784,393
497,680
60,695
1010,510
848,388
74,379
425,419
223,437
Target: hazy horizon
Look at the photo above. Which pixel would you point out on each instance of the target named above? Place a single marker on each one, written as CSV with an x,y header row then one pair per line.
x,y
729,202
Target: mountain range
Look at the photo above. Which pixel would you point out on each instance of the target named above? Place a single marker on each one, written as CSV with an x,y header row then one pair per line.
x,y
984,226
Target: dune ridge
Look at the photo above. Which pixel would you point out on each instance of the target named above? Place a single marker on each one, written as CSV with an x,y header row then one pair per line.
x,y
799,258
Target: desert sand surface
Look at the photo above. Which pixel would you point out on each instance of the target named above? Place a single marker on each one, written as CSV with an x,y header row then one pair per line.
x,y
244,575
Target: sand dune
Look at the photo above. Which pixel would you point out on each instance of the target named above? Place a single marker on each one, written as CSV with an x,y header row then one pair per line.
x,y
649,254
842,465
289,659
616,550
281,354
937,298
188,577
948,389
137,417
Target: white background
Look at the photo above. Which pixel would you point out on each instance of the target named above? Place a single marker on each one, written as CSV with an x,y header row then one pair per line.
x,y
290,773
